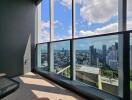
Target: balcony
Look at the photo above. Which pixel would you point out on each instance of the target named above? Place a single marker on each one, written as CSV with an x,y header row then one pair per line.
x,y
86,65
35,87
52,46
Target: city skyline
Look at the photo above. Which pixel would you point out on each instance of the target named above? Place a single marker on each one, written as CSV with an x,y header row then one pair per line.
x,y
107,54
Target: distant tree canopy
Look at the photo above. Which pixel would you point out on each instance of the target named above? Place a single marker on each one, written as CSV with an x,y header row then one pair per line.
x,y
108,72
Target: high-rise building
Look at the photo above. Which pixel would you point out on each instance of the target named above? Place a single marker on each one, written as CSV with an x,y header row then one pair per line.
x,y
93,55
104,51
112,56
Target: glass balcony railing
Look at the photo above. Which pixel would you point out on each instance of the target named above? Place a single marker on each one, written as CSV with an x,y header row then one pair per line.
x,y
42,57
62,58
96,60
130,66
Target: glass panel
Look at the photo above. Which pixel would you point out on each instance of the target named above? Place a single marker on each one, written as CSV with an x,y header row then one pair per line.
x,y
97,62
96,17
62,58
129,27
129,14
131,66
44,35
42,57
62,19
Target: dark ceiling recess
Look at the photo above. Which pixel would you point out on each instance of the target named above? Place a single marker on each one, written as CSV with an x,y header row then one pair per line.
x,y
37,1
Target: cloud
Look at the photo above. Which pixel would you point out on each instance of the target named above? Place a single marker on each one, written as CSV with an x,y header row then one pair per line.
x,y
45,24
129,25
58,24
66,3
107,29
44,35
62,37
65,36
44,32
69,31
97,11
92,11
86,33
104,30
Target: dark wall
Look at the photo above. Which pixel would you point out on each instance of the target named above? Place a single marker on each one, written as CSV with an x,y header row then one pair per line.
x,y
17,21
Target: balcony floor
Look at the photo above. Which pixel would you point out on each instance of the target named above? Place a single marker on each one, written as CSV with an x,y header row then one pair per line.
x,y
35,87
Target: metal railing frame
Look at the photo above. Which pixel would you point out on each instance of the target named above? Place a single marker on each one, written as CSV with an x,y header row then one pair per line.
x,y
126,46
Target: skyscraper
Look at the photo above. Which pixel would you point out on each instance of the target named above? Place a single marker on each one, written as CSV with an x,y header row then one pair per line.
x,y
93,55
104,53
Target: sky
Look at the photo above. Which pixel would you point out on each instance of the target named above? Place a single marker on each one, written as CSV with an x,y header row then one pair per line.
x,y
84,44
92,17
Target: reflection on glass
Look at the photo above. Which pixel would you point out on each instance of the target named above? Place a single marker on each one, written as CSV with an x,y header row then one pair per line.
x,y
42,63
96,17
45,22
62,19
97,62
62,58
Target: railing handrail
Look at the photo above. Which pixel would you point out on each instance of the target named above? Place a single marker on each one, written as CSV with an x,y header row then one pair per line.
x,y
91,36
63,69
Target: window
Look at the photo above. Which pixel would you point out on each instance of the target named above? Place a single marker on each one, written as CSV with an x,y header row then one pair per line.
x,y
42,57
129,27
62,19
97,62
96,17
62,58
130,66
96,58
44,35
129,14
